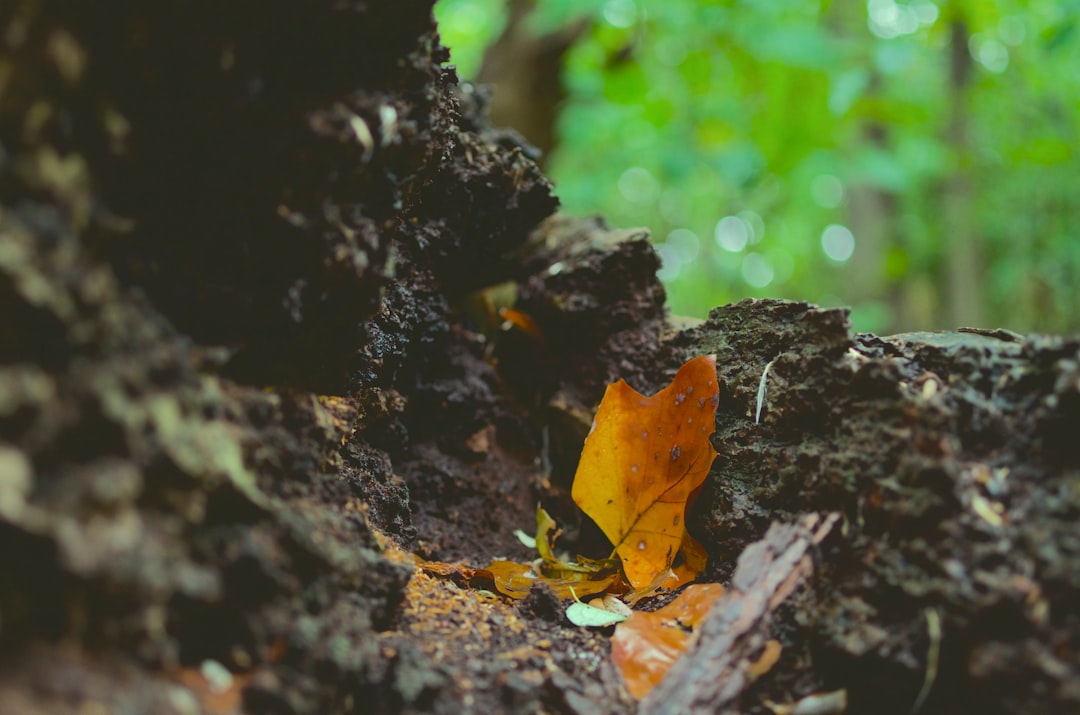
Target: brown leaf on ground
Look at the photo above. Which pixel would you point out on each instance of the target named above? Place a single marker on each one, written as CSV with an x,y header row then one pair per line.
x,y
643,460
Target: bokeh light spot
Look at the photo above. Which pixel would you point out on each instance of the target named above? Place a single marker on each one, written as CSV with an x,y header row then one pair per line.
x,y
838,242
732,234
757,271
827,191
638,185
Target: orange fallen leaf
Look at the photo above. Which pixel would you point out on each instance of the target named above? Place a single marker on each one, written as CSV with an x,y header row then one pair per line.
x,y
514,580
646,645
584,577
770,654
510,578
643,460
567,579
695,559
522,321
461,575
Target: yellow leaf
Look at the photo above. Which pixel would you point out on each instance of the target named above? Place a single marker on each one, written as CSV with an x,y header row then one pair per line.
x,y
514,580
643,460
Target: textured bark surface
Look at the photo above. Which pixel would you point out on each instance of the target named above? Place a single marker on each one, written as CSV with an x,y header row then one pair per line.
x,y
251,261
733,646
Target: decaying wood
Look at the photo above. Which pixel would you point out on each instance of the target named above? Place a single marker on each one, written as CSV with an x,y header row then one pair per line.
x,y
722,663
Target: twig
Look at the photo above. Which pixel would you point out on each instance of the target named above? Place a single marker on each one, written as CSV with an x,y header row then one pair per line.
x,y
761,390
933,627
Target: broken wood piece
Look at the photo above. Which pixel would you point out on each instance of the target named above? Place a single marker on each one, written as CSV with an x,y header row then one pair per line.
x,y
712,676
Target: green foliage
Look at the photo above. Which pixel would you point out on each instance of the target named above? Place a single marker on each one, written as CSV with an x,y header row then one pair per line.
x,y
467,28
762,141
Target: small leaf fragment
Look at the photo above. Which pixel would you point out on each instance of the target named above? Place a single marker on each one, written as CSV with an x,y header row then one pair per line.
x,y
544,542
587,616
510,578
830,703
653,588
695,559
614,604
586,576
528,541
514,580
770,654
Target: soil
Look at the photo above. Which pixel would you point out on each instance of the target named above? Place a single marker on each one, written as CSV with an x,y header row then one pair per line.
x,y
252,366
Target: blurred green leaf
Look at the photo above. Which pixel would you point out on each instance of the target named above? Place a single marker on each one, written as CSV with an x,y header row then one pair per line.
x,y
806,114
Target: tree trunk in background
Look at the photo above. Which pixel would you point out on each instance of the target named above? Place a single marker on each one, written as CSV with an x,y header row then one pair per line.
x,y
526,71
872,218
963,288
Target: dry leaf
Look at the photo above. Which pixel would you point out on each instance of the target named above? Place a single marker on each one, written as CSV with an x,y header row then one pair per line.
x,y
461,575
615,605
770,654
585,576
514,580
587,615
694,561
646,645
643,460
